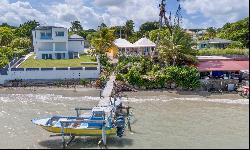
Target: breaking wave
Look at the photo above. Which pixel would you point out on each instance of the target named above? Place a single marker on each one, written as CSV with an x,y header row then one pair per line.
x,y
51,98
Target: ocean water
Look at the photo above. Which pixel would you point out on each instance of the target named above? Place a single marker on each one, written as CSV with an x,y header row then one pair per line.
x,y
158,122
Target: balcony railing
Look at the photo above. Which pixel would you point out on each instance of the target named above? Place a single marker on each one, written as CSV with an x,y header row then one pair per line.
x,y
46,38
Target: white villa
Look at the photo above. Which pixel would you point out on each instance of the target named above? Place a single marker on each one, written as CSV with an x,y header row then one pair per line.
x,y
143,47
124,46
53,43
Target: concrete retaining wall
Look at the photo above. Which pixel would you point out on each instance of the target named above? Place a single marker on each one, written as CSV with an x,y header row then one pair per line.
x,y
50,73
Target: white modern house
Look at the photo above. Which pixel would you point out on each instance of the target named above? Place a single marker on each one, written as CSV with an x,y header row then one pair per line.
x,y
53,43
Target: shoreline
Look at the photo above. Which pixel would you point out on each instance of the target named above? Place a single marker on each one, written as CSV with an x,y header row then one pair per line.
x,y
158,93
81,91
78,91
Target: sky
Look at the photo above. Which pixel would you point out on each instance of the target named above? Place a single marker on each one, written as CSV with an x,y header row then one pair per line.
x,y
91,13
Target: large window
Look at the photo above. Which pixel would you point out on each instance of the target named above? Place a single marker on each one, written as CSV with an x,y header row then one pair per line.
x,y
46,56
46,35
59,33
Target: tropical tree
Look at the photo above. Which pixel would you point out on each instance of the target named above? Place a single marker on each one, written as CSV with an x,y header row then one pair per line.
x,y
176,49
7,25
237,31
3,60
153,35
148,26
25,29
21,43
76,27
129,28
103,25
103,40
6,36
211,33
119,31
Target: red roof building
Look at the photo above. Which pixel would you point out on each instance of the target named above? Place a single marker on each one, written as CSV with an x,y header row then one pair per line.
x,y
223,65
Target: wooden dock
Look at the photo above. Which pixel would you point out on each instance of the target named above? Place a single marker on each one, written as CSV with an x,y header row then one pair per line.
x,y
107,91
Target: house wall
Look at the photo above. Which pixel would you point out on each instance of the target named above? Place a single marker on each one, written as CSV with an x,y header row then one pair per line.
x,y
60,46
48,46
3,78
76,46
60,38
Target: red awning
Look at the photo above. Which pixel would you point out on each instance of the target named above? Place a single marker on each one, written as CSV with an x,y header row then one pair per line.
x,y
223,66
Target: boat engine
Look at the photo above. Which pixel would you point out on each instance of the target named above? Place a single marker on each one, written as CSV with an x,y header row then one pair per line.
x,y
120,125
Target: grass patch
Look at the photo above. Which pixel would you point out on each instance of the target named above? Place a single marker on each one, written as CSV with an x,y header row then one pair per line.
x,y
40,63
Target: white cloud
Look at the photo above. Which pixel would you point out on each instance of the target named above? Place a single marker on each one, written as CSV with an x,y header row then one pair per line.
x,y
109,2
199,13
64,13
139,11
19,12
217,12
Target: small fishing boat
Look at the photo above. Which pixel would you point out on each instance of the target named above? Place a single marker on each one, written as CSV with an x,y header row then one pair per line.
x,y
92,125
109,118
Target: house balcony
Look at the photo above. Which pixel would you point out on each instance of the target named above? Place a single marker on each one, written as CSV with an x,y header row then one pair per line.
x,y
46,38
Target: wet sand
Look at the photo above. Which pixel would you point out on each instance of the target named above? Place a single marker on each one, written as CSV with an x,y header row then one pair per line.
x,y
66,92
162,119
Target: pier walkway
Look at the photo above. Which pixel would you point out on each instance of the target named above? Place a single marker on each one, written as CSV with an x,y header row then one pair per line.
x,y
107,91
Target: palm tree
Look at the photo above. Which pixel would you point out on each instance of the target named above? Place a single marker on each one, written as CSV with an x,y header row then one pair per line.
x,y
103,40
176,49
129,28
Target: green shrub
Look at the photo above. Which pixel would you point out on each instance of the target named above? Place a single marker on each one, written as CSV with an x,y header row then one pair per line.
x,y
119,77
83,82
227,51
236,45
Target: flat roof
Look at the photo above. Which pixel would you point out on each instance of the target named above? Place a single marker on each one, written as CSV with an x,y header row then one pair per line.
x,y
76,37
222,65
216,40
46,27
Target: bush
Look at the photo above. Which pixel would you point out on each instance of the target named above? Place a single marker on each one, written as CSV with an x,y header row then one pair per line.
x,y
236,45
119,77
83,82
227,51
134,77
141,72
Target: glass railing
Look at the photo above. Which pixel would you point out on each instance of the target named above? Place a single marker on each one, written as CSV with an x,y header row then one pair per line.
x,y
46,37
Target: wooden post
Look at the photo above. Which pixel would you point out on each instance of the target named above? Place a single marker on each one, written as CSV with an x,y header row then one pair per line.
x,y
63,139
104,135
77,113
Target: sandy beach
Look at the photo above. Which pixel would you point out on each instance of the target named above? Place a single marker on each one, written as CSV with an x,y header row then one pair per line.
x,y
66,92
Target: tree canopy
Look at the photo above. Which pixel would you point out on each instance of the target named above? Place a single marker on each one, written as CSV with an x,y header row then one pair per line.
x,y
238,31
149,26
103,40
176,49
25,29
76,26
